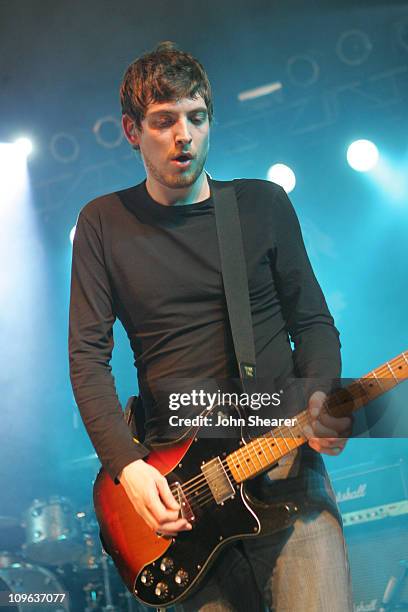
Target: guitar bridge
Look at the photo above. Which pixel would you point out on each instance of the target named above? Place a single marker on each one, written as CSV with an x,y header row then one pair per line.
x,y
218,481
185,508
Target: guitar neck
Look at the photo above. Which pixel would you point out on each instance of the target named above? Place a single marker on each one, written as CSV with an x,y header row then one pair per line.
x,y
263,452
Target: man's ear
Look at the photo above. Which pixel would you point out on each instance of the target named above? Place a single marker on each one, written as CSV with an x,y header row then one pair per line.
x,y
131,131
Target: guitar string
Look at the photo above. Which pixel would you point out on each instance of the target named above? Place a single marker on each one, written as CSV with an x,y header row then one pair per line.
x,y
203,481
249,454
360,382
271,434
246,451
219,468
248,448
205,499
206,492
206,495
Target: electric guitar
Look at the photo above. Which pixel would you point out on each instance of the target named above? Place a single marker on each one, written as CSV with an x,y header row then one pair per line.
x,y
207,477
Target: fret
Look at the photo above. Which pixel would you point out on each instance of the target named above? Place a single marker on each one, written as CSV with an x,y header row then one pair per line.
x,y
277,443
360,382
242,451
265,440
271,447
262,449
377,379
240,467
256,452
291,433
286,442
281,454
297,440
371,387
333,401
366,395
281,431
399,364
343,401
305,416
390,369
299,435
292,440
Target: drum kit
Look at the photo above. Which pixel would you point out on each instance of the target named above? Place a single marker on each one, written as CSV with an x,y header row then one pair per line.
x,y
55,554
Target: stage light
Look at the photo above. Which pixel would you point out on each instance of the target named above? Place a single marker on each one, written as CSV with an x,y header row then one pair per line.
x,y
283,175
13,172
72,234
390,176
25,146
362,155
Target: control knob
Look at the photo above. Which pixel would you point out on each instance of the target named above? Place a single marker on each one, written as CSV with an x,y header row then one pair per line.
x,y
146,578
181,578
167,565
161,590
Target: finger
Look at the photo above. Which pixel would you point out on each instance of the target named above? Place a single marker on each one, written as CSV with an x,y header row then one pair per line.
x,y
157,509
149,518
166,495
318,448
333,452
161,514
331,442
316,402
317,445
317,430
321,431
174,526
340,425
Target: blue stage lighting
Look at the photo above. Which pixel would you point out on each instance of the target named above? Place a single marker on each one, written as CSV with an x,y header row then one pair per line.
x,y
362,155
283,176
25,146
13,172
72,234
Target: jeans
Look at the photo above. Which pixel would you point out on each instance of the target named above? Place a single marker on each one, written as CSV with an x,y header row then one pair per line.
x,y
303,568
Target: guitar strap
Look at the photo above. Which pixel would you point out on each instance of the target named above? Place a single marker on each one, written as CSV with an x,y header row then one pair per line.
x,y
235,281
235,278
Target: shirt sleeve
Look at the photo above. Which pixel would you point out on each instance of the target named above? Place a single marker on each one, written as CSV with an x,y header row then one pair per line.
x,y
91,320
308,320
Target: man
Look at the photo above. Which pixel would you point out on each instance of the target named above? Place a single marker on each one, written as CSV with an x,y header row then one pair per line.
x,y
149,256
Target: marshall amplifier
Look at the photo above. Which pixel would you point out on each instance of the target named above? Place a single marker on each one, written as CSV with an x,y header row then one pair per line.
x,y
365,488
378,551
374,507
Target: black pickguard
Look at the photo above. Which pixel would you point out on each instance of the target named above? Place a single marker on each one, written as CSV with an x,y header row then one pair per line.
x,y
214,525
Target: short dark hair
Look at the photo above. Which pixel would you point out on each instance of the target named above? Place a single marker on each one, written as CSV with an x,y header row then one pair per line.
x,y
163,75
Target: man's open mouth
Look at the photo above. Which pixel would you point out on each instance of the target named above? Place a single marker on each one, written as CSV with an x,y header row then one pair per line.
x,y
184,159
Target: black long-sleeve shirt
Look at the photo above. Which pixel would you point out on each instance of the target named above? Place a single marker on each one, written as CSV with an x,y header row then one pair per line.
x,y
157,269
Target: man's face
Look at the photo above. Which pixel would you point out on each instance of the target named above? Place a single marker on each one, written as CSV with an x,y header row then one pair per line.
x,y
170,129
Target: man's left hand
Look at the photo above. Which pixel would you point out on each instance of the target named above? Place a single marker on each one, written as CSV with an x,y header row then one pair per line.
x,y
326,434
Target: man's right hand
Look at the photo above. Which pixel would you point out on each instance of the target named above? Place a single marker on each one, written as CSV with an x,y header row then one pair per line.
x,y
151,497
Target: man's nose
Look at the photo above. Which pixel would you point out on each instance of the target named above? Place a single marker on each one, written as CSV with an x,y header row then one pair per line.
x,y
183,135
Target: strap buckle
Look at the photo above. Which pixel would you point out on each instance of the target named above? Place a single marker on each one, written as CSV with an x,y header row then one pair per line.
x,y
247,371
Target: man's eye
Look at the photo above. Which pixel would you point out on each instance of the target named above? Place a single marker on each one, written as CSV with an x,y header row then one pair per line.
x,y
198,120
164,123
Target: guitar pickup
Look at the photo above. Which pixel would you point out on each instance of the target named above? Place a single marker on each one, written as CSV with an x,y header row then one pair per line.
x,y
218,481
